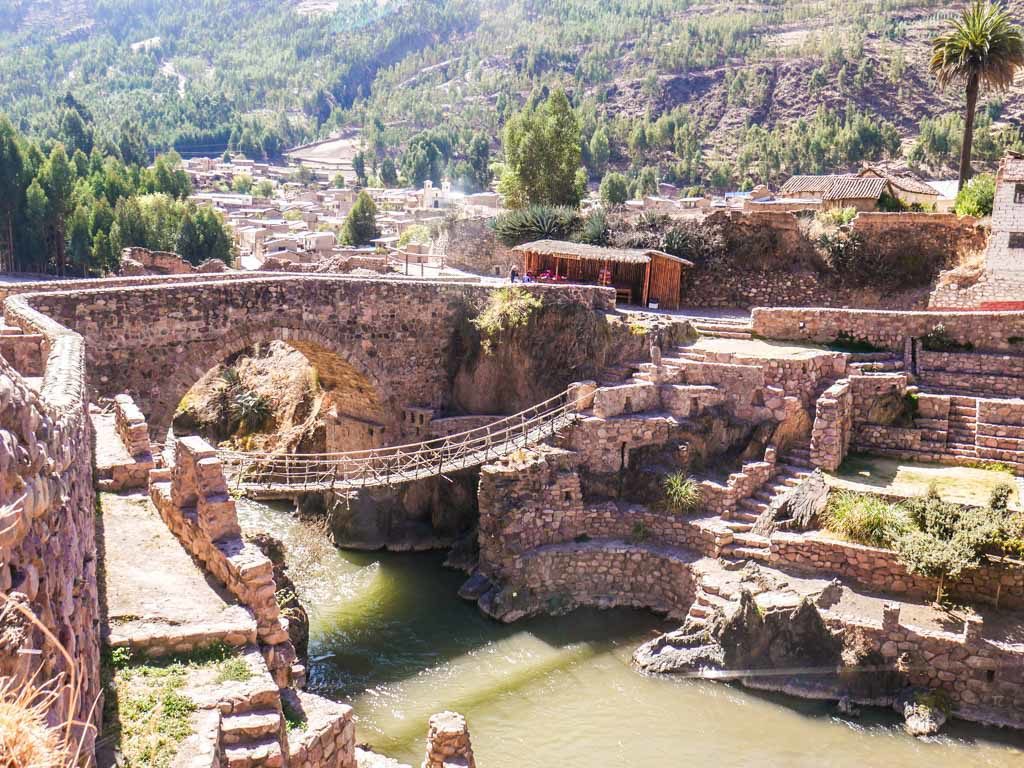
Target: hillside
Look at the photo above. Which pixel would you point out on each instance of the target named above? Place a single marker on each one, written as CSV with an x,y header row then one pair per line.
x,y
258,75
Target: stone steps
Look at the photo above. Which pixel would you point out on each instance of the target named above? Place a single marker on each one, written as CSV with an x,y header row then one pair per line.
x,y
265,753
253,726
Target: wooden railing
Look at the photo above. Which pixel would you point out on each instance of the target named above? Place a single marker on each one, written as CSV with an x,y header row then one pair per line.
x,y
269,474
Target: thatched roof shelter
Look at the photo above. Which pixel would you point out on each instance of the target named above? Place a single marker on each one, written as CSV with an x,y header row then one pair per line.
x,y
640,276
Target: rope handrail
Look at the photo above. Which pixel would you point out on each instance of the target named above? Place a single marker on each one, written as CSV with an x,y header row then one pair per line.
x,y
403,463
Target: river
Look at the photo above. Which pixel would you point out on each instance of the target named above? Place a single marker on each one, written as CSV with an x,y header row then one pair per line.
x,y
390,636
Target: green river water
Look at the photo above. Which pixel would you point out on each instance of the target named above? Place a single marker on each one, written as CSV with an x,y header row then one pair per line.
x,y
390,636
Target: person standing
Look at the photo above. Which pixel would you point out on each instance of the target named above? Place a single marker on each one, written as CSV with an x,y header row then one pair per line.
x,y
513,274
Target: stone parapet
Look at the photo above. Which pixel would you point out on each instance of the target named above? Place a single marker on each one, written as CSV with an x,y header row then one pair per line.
x,y
880,570
326,737
47,526
200,513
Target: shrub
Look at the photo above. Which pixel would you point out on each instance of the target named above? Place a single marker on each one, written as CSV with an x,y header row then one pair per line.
x,y
939,340
843,252
977,197
999,499
847,342
419,233
614,189
695,243
506,309
682,493
537,222
948,540
889,204
864,519
838,217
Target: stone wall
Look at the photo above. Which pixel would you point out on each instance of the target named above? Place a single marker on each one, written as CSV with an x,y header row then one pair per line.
x,y
47,533
448,743
326,737
833,426
131,426
192,498
474,247
137,262
988,331
982,677
770,262
880,570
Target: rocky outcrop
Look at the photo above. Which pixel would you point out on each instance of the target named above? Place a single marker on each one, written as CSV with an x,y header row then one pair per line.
x,y
747,638
797,510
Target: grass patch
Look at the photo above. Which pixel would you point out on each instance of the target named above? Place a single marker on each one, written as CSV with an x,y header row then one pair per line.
x,y
682,493
865,519
147,713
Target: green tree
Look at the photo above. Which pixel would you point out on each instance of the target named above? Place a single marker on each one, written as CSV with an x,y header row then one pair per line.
x,y
338,182
36,213
12,182
361,224
977,197
600,152
359,166
58,179
80,239
480,161
647,182
542,151
241,183
982,49
102,253
265,188
388,173
614,189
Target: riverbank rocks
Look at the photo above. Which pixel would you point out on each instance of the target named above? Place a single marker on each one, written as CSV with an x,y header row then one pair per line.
x,y
746,638
924,712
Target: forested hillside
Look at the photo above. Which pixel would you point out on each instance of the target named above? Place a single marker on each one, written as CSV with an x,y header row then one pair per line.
x,y
715,92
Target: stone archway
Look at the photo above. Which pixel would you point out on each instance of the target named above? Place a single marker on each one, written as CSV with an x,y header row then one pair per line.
x,y
357,394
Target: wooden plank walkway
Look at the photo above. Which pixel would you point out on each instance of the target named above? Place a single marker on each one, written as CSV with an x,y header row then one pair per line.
x,y
266,476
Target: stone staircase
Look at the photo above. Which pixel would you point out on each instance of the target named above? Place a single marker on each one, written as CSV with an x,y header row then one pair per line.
x,y
613,375
706,600
962,434
251,738
789,472
724,328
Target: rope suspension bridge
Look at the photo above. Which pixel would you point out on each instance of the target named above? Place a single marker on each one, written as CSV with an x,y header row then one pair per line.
x,y
275,475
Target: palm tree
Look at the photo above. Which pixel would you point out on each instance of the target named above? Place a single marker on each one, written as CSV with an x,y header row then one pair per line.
x,y
982,48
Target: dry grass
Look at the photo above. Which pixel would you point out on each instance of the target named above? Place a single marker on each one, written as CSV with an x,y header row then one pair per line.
x,y
966,273
27,738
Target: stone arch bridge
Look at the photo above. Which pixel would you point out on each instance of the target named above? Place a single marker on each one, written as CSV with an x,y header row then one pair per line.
x,y
381,345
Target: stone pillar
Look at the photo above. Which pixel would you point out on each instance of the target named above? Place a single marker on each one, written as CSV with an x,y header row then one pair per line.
x,y
973,626
448,742
890,617
198,480
582,394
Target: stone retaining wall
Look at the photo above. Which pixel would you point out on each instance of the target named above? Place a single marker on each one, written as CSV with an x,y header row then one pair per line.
x,y
47,528
988,331
880,570
327,735
193,500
